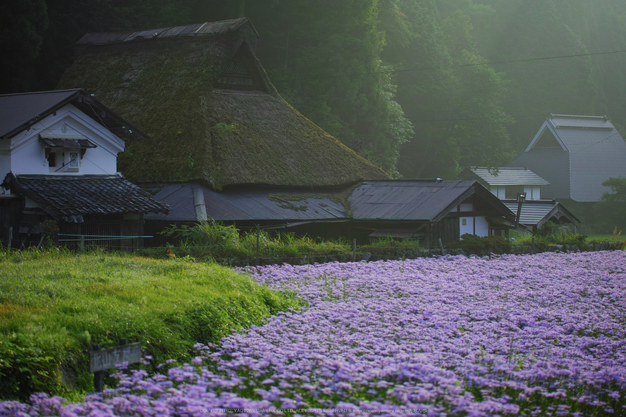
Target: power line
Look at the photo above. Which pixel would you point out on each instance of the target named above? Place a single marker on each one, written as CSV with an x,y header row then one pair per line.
x,y
510,61
471,119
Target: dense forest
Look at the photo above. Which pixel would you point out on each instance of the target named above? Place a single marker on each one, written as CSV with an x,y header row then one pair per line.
x,y
423,88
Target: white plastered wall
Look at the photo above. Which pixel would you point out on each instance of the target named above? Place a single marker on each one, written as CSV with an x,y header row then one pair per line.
x,y
474,226
533,192
25,154
499,191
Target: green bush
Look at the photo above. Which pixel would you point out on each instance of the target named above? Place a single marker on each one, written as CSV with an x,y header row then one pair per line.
x,y
224,244
477,245
547,229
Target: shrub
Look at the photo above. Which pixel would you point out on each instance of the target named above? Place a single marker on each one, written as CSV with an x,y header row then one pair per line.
x,y
547,229
472,244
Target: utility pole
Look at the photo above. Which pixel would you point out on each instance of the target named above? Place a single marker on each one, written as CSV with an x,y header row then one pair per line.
x,y
521,197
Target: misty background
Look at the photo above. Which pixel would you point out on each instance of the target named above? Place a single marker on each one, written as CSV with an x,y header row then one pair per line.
x,y
422,88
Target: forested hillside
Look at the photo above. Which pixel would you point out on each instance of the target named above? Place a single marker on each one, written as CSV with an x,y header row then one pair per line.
x,y
422,88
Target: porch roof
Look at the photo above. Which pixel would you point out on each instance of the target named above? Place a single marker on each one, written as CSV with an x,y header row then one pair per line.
x,y
69,197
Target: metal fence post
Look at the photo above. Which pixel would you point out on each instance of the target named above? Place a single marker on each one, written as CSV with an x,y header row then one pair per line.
x,y
258,238
98,376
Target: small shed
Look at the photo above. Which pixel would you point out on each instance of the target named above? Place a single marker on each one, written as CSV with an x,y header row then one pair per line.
x,y
535,213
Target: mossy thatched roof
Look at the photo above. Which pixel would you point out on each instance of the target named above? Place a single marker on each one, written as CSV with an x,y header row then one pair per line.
x,y
163,81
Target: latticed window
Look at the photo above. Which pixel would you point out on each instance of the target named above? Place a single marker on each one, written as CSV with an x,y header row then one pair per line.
x,y
236,73
240,73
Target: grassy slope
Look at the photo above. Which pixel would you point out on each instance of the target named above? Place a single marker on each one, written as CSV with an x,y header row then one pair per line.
x,y
55,306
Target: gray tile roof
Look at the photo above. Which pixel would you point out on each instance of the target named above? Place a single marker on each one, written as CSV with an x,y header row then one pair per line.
x,y
574,121
68,196
508,176
19,111
371,200
416,200
537,212
249,205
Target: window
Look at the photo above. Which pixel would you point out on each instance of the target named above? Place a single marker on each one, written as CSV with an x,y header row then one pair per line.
x,y
74,160
240,73
512,190
52,159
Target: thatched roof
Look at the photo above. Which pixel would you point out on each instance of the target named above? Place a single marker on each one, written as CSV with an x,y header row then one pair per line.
x,y
165,81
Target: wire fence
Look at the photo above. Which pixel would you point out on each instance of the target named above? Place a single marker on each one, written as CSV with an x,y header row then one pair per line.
x,y
108,242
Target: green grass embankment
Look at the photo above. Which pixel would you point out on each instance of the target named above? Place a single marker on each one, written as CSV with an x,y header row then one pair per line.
x,y
55,305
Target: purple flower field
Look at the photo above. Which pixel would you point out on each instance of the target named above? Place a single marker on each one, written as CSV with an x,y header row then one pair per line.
x,y
514,335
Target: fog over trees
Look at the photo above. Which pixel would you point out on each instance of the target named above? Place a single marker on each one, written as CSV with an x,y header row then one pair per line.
x,y
423,88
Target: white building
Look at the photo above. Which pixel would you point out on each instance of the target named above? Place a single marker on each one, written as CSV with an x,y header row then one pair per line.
x,y
507,183
58,159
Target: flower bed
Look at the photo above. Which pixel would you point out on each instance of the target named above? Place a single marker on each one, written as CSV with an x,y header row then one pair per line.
x,y
516,335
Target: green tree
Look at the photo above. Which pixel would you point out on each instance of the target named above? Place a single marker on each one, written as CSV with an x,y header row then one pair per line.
x,y
324,57
601,26
450,94
612,208
524,41
38,36
22,27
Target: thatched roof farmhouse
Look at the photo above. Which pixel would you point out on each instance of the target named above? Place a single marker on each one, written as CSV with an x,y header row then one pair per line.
x,y
212,115
223,144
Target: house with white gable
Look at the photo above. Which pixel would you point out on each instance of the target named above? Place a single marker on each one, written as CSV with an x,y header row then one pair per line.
x,y
520,190
58,159
575,154
507,182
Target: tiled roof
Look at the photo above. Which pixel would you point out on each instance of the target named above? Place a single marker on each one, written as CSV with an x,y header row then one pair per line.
x,y
17,111
509,176
417,200
20,111
400,200
66,197
580,122
248,205
537,212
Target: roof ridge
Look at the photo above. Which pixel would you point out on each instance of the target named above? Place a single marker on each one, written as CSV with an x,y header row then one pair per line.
x,y
71,176
194,29
581,116
42,92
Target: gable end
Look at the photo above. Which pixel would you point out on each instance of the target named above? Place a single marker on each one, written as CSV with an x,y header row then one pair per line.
x,y
240,72
547,140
